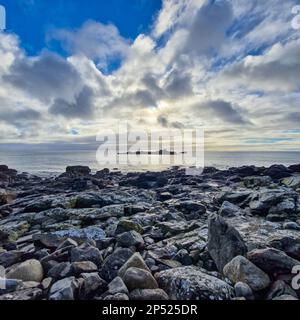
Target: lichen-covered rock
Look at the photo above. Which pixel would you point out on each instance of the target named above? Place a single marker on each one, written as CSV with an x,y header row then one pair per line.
x,y
190,283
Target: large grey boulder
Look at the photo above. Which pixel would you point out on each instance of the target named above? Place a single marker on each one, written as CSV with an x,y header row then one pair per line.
x,y
64,289
30,270
224,241
191,283
240,269
272,261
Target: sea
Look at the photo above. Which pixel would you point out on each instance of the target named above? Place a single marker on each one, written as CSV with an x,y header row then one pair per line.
x,y
51,161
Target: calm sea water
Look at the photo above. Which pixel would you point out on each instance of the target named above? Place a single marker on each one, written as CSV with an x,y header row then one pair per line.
x,y
56,161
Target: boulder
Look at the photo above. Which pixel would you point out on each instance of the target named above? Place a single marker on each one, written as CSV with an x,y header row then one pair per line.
x,y
9,258
292,182
60,271
240,269
130,239
224,242
83,267
114,262
78,171
30,270
64,289
128,225
290,245
86,253
280,288
242,290
190,283
136,278
92,284
272,261
117,286
135,261
148,295
277,172
229,209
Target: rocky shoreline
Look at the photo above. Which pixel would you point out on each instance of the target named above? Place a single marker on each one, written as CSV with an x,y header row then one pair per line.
x,y
225,235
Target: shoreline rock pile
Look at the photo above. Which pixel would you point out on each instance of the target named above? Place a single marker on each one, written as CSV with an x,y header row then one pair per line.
x,y
224,235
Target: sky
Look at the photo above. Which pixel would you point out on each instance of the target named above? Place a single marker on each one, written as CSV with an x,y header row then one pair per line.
x,y
69,69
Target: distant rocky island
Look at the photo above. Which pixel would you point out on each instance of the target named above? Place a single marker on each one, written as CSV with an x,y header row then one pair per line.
x,y
160,152
224,235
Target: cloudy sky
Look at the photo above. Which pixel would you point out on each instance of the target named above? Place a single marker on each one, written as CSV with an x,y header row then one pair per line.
x,y
71,68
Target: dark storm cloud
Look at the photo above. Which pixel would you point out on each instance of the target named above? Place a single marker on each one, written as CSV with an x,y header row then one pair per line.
x,y
178,84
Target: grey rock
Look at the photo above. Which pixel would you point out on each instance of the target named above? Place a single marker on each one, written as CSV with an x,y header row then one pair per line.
x,y
224,242
136,278
9,258
30,270
240,269
130,239
114,262
83,267
280,288
9,285
290,245
92,284
136,261
64,289
148,295
89,233
117,297
191,283
60,271
117,286
229,209
86,253
242,290
272,261
285,298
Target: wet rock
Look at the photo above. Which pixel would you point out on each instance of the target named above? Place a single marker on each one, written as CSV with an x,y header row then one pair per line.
x,y
224,242
114,262
136,278
272,261
30,270
242,270
148,294
190,283
295,168
64,289
257,181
